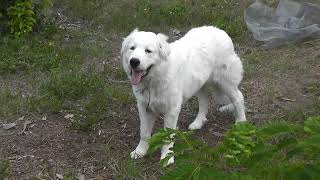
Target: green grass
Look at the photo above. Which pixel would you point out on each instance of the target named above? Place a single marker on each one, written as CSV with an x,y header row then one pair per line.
x,y
33,53
72,86
61,77
123,167
4,169
27,54
126,169
12,104
66,72
251,63
152,15
313,88
63,89
296,114
86,95
283,60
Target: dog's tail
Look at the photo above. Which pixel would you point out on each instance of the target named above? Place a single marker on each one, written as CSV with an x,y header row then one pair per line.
x,y
223,100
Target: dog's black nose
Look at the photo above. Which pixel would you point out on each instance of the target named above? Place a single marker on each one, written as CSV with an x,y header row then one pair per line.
x,y
134,62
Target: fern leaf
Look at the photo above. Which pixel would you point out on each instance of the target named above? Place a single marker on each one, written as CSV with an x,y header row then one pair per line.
x,y
277,128
160,138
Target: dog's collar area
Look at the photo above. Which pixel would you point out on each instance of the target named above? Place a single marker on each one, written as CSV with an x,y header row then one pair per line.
x,y
149,96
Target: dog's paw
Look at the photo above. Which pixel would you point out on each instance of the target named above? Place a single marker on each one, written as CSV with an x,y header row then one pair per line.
x,y
170,161
137,154
197,124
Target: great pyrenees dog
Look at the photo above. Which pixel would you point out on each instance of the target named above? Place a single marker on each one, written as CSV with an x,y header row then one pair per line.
x,y
165,75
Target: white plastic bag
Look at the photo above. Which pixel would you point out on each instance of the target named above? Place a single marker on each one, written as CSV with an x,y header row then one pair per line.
x,y
290,21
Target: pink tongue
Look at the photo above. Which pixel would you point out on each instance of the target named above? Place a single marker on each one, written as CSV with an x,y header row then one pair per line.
x,y
136,77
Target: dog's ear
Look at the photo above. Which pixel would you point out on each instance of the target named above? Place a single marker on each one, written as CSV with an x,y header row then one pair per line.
x,y
164,47
125,42
134,31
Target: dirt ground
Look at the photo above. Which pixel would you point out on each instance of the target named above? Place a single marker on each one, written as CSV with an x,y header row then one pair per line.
x,y
275,86
48,147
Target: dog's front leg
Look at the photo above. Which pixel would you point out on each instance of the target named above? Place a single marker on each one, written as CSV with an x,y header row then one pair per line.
x,y
170,121
147,119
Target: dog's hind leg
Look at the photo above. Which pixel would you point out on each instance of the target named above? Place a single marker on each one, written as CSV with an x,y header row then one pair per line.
x,y
228,79
236,99
203,100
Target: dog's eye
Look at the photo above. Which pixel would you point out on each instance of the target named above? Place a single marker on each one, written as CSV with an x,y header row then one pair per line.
x,y
132,48
148,51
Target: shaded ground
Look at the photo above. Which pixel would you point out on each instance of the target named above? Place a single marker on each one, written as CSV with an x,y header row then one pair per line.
x,y
48,147
279,84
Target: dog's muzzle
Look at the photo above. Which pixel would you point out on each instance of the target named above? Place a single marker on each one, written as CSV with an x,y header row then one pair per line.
x,y
137,75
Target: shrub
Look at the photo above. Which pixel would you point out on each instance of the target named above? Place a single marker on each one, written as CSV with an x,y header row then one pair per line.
x,y
278,150
22,15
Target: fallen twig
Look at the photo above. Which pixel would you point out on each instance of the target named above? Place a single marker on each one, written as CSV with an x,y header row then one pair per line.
x,y
287,99
20,157
25,125
220,127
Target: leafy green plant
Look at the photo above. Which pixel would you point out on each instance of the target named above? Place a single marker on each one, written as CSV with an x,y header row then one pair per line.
x,y
24,14
22,17
278,150
240,143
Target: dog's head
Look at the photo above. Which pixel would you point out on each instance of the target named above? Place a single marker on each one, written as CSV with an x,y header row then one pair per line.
x,y
141,52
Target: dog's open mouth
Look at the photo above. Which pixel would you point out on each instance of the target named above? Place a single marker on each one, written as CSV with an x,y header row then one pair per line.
x,y
137,75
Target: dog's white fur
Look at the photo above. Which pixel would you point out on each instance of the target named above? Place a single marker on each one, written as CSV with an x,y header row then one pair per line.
x,y
204,57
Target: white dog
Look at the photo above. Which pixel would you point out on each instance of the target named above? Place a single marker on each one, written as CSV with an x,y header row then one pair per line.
x,y
165,75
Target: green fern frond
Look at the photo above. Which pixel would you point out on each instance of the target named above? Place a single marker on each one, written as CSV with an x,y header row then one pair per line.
x,y
275,129
160,138
278,150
